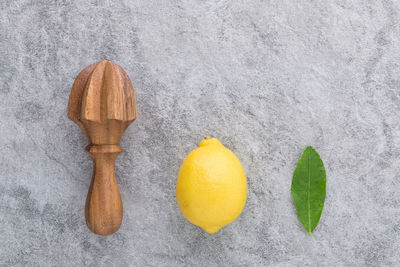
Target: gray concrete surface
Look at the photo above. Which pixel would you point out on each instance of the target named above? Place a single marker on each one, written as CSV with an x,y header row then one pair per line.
x,y
267,78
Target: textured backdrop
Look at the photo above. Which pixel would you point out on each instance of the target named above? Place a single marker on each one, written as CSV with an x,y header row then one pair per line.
x,y
267,78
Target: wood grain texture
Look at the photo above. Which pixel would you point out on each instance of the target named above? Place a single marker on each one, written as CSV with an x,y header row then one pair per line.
x,y
102,102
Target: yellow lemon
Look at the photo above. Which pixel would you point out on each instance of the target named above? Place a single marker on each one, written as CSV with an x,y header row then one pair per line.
x,y
211,189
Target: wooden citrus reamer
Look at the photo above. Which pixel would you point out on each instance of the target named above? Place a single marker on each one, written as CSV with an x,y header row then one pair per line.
x,y
102,102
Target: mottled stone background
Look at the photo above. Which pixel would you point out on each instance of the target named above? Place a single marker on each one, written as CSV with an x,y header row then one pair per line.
x,y
267,78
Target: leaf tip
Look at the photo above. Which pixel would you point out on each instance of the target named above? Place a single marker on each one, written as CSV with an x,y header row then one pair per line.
x,y
309,148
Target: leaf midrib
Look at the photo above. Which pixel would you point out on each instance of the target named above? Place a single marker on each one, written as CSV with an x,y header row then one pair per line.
x,y
308,192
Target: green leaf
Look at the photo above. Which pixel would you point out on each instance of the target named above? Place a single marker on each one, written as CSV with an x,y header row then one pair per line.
x,y
309,188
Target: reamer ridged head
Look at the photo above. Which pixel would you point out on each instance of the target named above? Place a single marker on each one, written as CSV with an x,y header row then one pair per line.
x,y
102,96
